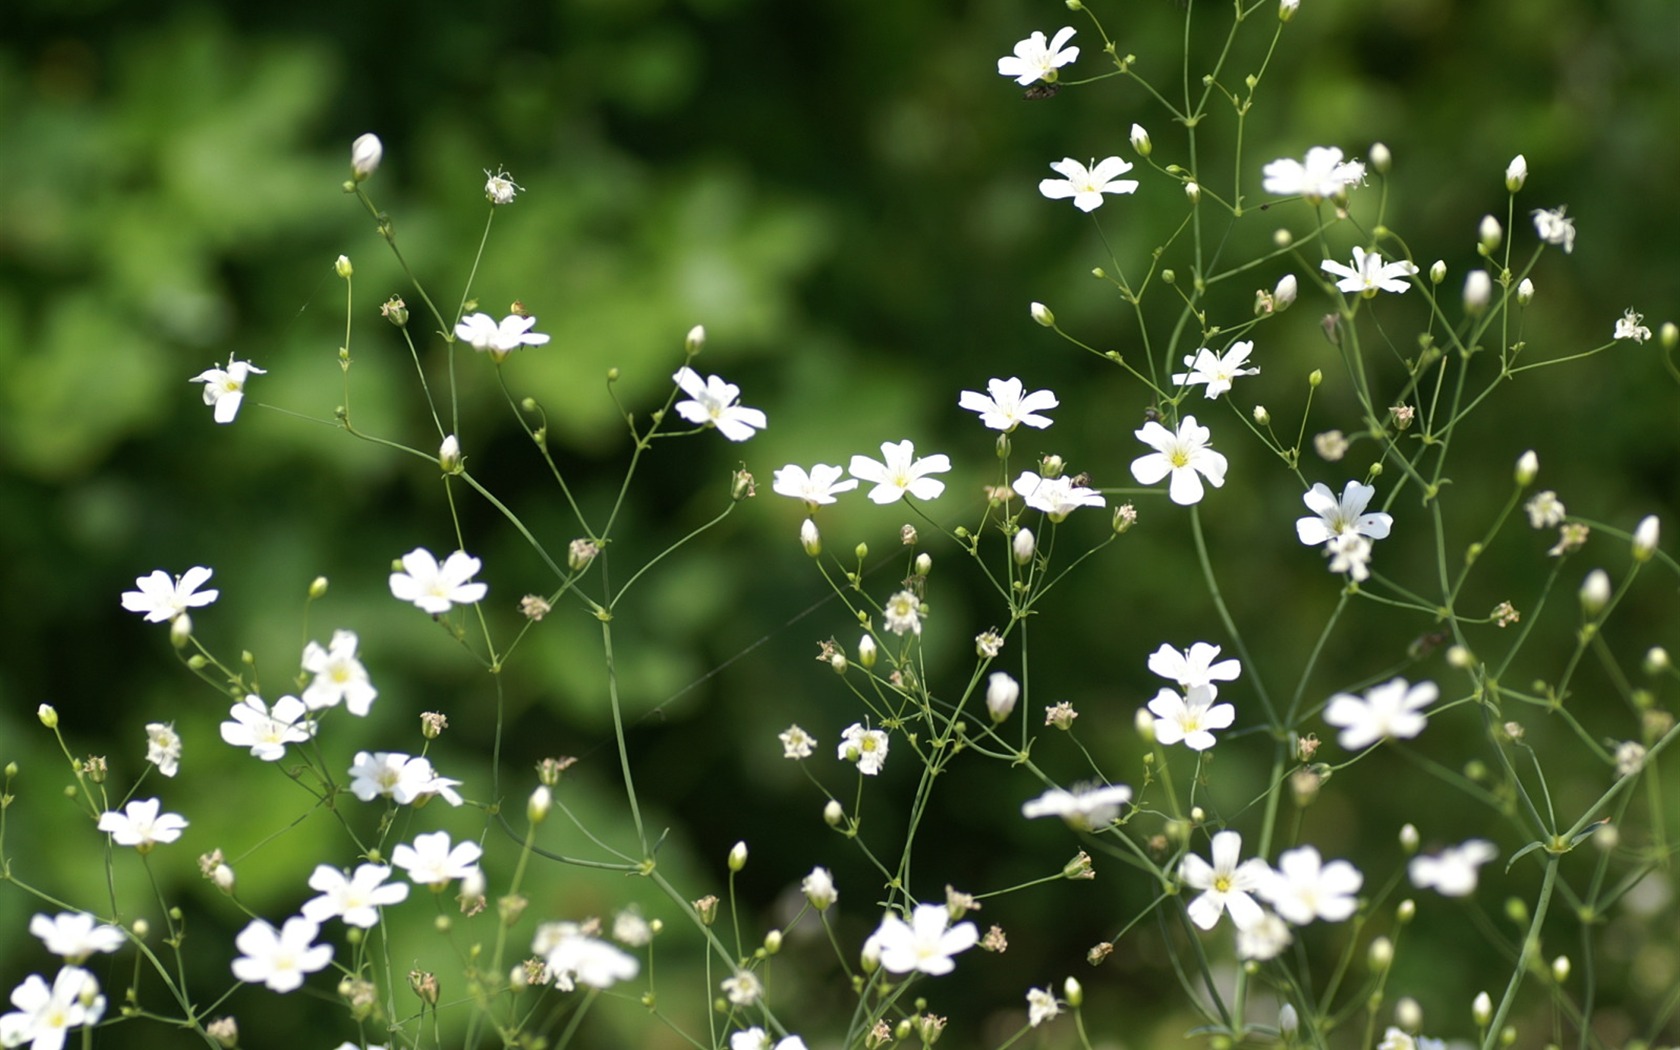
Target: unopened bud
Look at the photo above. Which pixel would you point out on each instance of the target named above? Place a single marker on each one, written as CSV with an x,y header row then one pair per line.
x,y
1408,839
1381,953
1262,416
924,563
343,268
1645,536
1284,294
48,715
1478,290
1001,693
1595,592
1669,335
1560,969
1315,377
1381,159
1656,660
810,538
1287,9
365,154
1406,911
449,455
1140,141
1525,292
1488,234
1528,465
1438,271
1024,546
738,856
1289,1022
1073,992
1193,191
1042,315
536,808
696,340
833,813
180,630
867,651
1516,173
1408,1014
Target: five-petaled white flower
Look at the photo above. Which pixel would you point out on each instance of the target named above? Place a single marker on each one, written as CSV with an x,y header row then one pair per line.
x,y
819,486
1393,709
141,825
338,675
224,388
1183,455
355,898
1331,517
44,1015
1555,227
713,404
1226,885
1323,175
1350,552
925,943
1190,718
1264,940
500,189
483,332
280,958
1218,371
1369,274
433,587
163,747
866,747
1194,666
1041,1006
432,862
398,777
1452,873
900,472
575,956
1545,510
1056,497
267,730
1087,185
75,935
796,743
743,989
1628,327
163,597
1085,808
1304,888
1006,405
1034,59
903,612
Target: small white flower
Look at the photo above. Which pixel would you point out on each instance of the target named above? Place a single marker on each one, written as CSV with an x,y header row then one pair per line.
x,y
1452,873
819,486
926,943
1303,888
141,825
1350,553
1087,185
280,958
1056,497
224,388
1183,455
1218,371
1194,666
433,862
1085,808
1393,709
900,472
573,955
356,898
1226,885
796,743
1041,1006
267,730
1630,758
1332,517
162,597
1034,59
399,777
1264,940
44,1015
338,675
75,935
1369,274
743,989
483,332
866,747
435,588
1555,227
712,403
1190,718
163,747
1545,510
500,187
1323,175
631,930
1628,327
903,612
1006,405
818,888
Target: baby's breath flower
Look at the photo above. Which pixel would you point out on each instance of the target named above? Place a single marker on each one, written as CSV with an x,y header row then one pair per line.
x,y
743,989
796,743
1505,614
1571,538
1331,445
819,890
1452,872
163,747
1041,1006
500,187
1628,326
1555,227
1393,709
1630,758
1324,174
866,747
903,612
988,644
1036,59
1369,274
1544,509
1060,715
1086,185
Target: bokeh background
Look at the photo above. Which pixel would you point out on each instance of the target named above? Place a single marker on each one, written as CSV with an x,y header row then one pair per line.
x,y
844,195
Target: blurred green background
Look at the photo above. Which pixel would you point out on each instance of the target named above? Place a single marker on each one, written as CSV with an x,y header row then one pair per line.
x,y
844,195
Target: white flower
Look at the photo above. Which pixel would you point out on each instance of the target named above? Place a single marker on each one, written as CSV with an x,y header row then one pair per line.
x,y
1218,371
630,929
500,188
267,730
1453,872
903,612
818,888
1226,885
866,747
141,825
44,1015
224,388
713,404
1041,1006
1036,60
433,587
1085,808
399,777
432,862
573,955
338,675
365,155
1369,274
1087,185
926,943
163,597
1183,455
280,958
163,747
1630,758
1303,888
1008,405
901,472
1056,497
1554,227
1399,1039
1545,510
1393,709
1190,718
75,935
1194,666
1332,517
796,743
743,989
756,1038
483,332
1264,940
1323,175
820,486
355,899
1350,553
1628,327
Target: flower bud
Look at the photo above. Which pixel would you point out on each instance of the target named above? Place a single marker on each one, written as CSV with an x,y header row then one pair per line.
x,y
833,813
225,1031
579,553
1525,292
1478,289
395,311
1656,660
706,908
1381,954
1645,537
838,663
449,455
1595,592
924,563
1669,334
1285,292
695,341
1438,271
861,552
180,630
1406,911
738,856
343,268
1488,234
1481,1007
1140,141
365,155
536,808
1001,693
1024,546
1528,465
1262,417
1193,191
48,715
1073,992
1381,159
425,986
1289,1022
810,538
1042,315
1408,1014
1315,377
1516,173
867,651
1408,839
1560,969
223,877
1287,9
